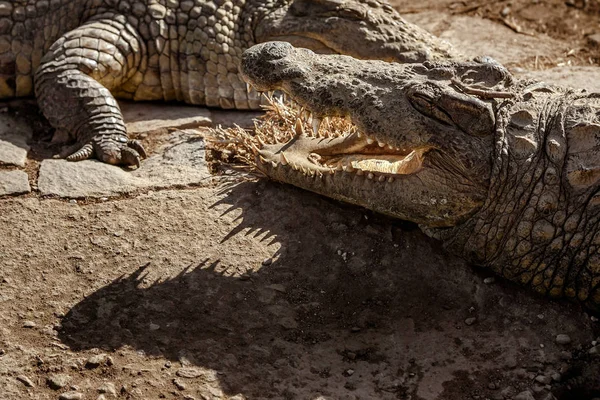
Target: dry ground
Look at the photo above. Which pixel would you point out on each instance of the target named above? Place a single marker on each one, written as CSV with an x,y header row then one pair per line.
x,y
241,288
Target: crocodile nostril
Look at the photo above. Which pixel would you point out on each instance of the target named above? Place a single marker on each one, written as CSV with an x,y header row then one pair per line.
x,y
271,51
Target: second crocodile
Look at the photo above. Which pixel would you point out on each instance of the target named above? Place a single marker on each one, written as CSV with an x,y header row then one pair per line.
x,y
506,173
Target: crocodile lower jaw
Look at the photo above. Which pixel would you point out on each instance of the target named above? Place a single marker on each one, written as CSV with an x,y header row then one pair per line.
x,y
291,138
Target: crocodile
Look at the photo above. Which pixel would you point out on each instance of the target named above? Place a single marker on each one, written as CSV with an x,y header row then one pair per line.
x,y
77,56
505,172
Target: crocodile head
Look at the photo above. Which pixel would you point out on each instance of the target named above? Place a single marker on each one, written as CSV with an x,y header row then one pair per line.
x,y
419,148
362,29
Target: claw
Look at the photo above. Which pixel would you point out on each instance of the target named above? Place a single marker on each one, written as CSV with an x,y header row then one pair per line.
x,y
83,153
137,146
130,157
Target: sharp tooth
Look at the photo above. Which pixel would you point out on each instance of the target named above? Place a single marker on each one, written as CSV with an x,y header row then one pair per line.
x,y
340,167
359,172
254,148
370,141
381,178
390,147
370,175
349,168
274,164
390,179
270,93
262,159
381,144
358,134
283,161
262,142
298,127
248,87
316,123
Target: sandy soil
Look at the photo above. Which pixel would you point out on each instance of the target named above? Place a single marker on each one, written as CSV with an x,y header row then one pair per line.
x,y
246,289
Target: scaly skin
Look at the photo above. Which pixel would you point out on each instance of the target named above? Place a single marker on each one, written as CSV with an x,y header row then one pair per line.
x,y
505,173
77,54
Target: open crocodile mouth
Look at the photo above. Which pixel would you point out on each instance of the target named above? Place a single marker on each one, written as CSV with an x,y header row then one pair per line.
x,y
288,137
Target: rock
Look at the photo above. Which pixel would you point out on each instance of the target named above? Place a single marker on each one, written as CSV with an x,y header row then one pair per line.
x,y
179,384
594,40
544,380
470,321
71,396
563,339
178,163
28,324
95,361
25,381
152,117
14,135
189,373
489,281
58,381
526,395
594,350
14,182
108,388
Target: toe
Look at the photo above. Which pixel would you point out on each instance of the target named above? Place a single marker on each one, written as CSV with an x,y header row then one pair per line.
x,y
137,146
130,156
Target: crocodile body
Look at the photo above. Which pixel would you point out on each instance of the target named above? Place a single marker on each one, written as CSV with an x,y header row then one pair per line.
x,y
505,172
77,54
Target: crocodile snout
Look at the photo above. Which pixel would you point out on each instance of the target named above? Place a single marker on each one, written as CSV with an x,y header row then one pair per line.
x,y
266,65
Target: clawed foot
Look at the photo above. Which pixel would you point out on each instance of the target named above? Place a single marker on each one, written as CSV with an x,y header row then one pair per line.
x,y
117,151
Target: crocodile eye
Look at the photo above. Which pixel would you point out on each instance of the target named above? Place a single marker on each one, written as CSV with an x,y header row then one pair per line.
x,y
469,114
425,104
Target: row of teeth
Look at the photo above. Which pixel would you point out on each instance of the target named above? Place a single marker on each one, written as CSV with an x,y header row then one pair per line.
x,y
312,173
304,116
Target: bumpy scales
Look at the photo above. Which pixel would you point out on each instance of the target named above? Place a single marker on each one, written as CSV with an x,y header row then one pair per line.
x,y
506,173
77,54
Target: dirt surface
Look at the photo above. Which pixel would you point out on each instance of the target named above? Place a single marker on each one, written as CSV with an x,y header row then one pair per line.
x,y
238,288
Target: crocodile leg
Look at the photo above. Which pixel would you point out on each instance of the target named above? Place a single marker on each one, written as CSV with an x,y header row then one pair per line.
x,y
73,87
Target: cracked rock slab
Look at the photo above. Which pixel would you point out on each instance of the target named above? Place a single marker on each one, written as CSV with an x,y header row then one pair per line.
x,y
14,135
152,117
14,182
180,162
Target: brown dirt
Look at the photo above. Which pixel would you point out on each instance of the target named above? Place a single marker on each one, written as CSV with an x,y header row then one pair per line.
x,y
245,288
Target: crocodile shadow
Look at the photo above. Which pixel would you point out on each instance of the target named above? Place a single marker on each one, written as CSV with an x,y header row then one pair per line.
x,y
347,291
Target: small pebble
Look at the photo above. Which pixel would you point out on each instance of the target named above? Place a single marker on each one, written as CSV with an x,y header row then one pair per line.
x,y
543,379
351,355
58,381
563,339
108,388
594,350
594,318
179,384
355,329
470,321
71,396
349,372
556,377
95,361
526,395
73,201
25,381
490,280
28,324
